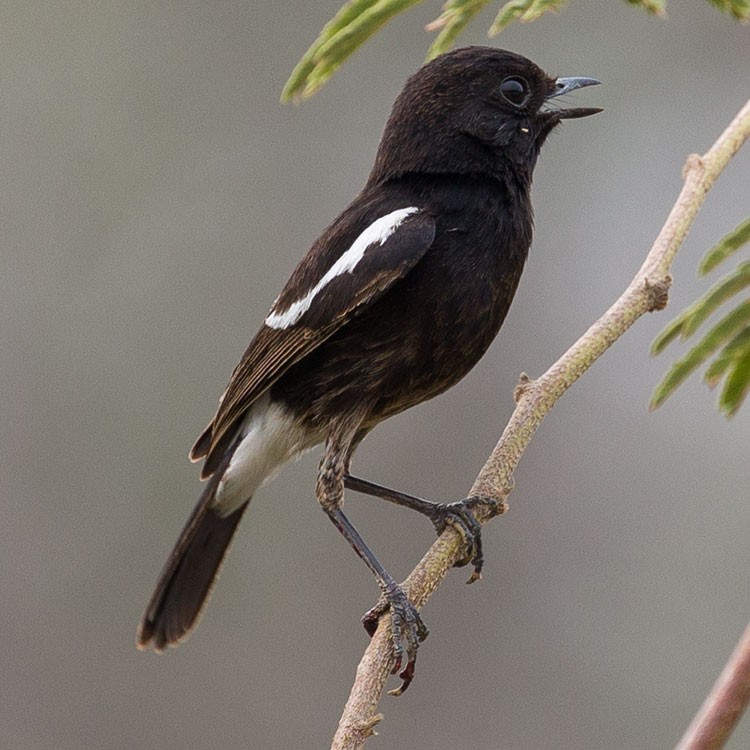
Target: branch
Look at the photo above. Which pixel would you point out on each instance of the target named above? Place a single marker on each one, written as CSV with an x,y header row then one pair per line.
x,y
647,292
725,703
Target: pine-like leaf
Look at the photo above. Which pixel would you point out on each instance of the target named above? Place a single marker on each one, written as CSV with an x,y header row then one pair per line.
x,y
716,370
740,9
725,247
453,20
736,385
718,335
508,13
691,318
657,7
358,20
540,7
732,363
353,25
297,80
523,10
670,333
738,347
341,44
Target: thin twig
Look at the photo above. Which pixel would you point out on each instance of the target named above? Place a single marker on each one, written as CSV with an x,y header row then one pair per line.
x,y
724,705
647,292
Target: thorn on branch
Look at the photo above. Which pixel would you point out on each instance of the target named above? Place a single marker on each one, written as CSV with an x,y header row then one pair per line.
x,y
366,728
524,384
657,293
694,163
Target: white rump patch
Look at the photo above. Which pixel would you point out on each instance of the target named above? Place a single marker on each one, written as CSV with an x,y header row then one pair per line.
x,y
376,234
271,437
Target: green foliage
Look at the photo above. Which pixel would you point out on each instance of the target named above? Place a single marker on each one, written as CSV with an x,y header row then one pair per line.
x,y
733,241
740,9
657,7
522,10
729,339
358,20
451,22
355,22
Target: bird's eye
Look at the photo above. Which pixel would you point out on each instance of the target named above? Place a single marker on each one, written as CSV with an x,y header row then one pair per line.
x,y
515,91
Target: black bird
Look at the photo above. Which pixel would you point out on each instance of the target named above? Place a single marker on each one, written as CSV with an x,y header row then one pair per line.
x,y
395,302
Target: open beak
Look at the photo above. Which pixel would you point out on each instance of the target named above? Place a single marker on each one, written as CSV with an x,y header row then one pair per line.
x,y
565,86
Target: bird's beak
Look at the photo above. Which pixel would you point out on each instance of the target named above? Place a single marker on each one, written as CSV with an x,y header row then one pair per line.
x,y
565,86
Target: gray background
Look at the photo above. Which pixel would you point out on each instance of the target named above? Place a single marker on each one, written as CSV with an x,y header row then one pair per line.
x,y
155,196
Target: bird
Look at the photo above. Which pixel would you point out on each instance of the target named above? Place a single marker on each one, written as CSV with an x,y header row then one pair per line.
x,y
393,304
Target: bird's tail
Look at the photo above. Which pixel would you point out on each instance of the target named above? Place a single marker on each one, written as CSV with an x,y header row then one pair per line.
x,y
186,581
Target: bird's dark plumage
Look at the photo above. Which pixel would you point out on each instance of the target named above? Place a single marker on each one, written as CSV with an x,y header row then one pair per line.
x,y
395,302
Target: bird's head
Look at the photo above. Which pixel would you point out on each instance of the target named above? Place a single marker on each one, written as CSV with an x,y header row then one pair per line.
x,y
475,110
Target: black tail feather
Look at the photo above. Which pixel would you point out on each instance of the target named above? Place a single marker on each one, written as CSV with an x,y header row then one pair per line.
x,y
186,581
202,444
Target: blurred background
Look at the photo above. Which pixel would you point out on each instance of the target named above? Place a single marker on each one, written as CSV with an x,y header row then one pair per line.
x,y
155,196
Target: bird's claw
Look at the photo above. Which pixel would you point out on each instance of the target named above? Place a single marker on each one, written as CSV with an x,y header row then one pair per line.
x,y
408,631
371,618
460,516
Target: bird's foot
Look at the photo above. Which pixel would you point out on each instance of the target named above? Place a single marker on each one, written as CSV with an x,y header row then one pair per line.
x,y
408,631
460,516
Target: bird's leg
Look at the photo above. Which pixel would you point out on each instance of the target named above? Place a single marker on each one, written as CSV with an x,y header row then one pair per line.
x,y
458,514
408,629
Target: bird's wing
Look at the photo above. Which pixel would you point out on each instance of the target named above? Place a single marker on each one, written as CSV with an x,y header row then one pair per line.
x,y
368,248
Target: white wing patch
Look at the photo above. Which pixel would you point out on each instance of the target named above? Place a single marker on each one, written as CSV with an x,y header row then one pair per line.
x,y
376,234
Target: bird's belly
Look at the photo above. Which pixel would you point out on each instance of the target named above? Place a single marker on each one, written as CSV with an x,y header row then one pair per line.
x,y
428,364
410,346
